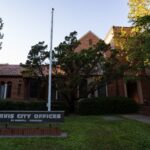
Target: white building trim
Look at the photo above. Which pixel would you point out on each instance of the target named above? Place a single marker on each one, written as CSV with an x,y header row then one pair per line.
x,y
5,91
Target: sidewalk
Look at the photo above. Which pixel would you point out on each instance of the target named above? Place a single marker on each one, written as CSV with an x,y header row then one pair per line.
x,y
141,118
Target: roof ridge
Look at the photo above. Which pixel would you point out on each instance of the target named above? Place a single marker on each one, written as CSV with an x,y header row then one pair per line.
x,y
121,26
87,34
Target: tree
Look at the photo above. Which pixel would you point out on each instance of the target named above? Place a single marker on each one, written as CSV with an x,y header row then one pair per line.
x,y
133,44
115,67
137,45
35,66
1,35
143,23
35,60
138,8
76,67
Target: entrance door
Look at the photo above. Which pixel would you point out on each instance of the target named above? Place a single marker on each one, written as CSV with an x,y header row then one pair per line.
x,y
132,91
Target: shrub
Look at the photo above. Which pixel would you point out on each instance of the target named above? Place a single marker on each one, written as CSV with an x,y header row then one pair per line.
x,y
106,105
14,105
60,105
32,105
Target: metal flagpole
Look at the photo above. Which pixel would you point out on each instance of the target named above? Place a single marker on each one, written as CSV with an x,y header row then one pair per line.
x,y
50,64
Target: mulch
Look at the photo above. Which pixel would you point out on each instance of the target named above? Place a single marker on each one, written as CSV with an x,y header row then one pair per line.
x,y
30,131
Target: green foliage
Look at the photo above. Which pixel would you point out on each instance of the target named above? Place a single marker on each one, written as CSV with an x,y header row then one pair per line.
x,y
14,105
60,105
106,105
115,65
35,60
87,133
35,67
138,8
76,66
143,22
138,44
33,105
1,35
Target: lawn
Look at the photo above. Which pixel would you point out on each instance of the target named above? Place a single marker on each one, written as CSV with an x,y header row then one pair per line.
x,y
88,133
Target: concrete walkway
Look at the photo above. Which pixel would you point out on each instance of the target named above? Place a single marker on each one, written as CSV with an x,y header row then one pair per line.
x,y
141,118
111,118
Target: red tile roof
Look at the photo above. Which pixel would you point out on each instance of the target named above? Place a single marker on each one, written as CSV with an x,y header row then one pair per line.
x,y
17,70
10,70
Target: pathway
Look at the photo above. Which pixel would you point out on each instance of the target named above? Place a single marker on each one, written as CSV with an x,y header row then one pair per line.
x,y
141,118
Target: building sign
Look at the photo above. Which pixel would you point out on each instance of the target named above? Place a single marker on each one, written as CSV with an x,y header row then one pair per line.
x,y
31,116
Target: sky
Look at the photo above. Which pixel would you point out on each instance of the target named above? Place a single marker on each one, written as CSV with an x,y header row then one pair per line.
x,y
26,22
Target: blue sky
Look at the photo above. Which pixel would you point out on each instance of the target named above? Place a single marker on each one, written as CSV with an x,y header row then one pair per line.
x,y
26,22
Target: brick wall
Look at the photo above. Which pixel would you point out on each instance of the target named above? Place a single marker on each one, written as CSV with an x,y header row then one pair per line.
x,y
112,88
87,41
15,81
145,83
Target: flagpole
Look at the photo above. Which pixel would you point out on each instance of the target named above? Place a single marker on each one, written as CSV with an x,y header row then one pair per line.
x,y
50,63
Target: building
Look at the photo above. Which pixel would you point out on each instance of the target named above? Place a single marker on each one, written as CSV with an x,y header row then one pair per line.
x,y
13,85
11,82
137,90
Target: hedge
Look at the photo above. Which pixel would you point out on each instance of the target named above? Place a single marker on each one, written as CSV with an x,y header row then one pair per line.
x,y
32,105
106,105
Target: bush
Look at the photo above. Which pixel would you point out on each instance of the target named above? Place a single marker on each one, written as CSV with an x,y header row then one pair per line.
x,y
14,105
32,105
60,105
106,105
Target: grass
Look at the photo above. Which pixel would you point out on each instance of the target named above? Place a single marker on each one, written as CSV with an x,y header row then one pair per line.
x,y
88,133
